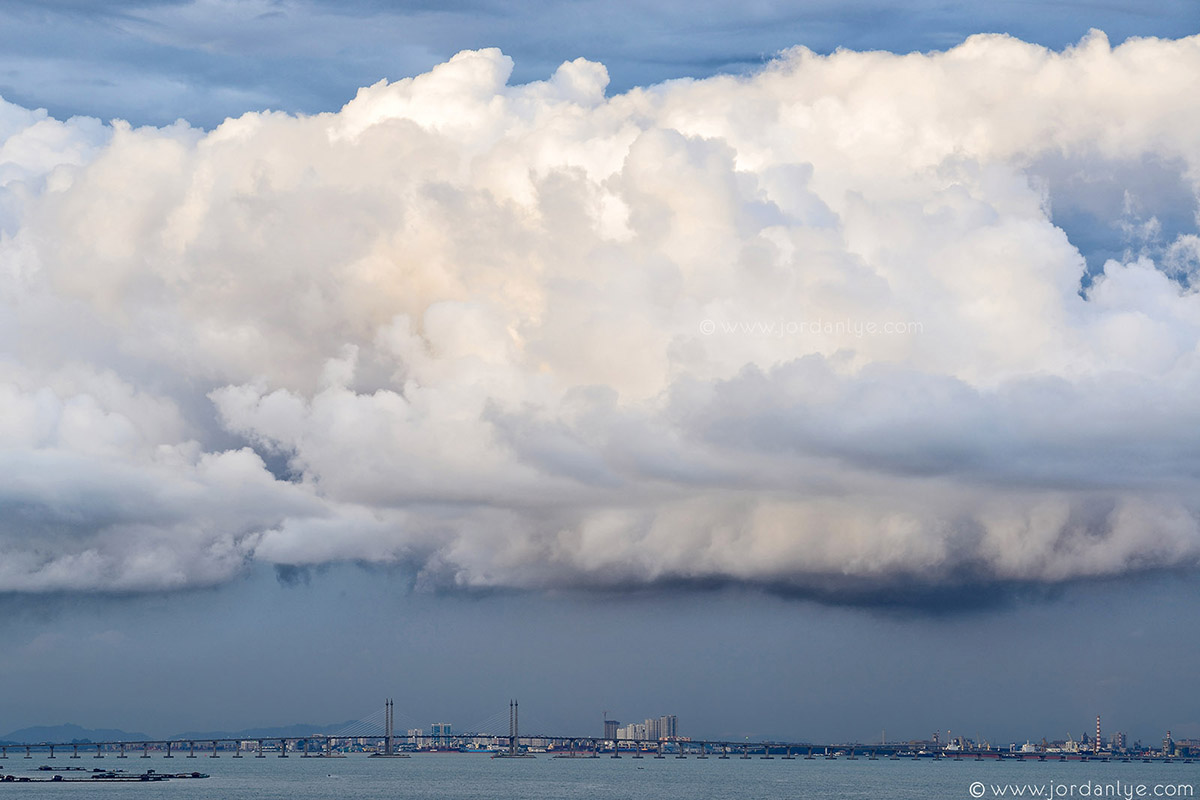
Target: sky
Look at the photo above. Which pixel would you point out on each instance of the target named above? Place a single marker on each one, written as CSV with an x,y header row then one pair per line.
x,y
803,371
156,61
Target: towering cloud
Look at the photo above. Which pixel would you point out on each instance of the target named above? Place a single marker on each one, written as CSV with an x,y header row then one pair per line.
x,y
854,326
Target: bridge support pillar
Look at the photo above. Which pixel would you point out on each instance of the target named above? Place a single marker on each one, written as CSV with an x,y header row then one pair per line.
x,y
51,752
191,749
98,753
75,752
283,748
214,752
168,755
27,753
145,749
122,750
260,752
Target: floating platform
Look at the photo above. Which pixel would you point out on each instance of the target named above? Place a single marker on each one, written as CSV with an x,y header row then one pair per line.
x,y
150,776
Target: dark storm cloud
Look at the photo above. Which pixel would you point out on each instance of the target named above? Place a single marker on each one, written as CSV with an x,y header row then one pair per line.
x,y
727,662
909,423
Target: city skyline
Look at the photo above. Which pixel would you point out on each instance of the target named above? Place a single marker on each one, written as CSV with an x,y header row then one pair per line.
x,y
804,370
663,729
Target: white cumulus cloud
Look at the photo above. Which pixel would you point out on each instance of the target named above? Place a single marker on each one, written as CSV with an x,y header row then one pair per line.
x,y
821,328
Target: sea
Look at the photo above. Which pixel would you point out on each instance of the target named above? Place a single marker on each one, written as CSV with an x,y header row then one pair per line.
x,y
478,777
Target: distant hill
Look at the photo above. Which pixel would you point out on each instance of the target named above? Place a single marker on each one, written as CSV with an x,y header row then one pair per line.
x,y
290,731
75,734
70,734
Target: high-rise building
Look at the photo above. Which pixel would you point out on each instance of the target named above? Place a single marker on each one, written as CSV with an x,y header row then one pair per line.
x,y
661,728
668,726
441,732
652,730
634,731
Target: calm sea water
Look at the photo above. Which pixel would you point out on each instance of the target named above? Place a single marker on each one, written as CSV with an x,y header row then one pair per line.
x,y
477,777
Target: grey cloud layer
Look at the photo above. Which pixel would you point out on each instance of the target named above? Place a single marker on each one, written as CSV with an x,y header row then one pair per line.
x,y
813,328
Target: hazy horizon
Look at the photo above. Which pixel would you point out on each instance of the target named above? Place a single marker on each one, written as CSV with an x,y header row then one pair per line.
x,y
729,664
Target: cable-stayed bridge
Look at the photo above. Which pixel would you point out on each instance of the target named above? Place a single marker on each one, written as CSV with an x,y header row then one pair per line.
x,y
384,733
378,734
